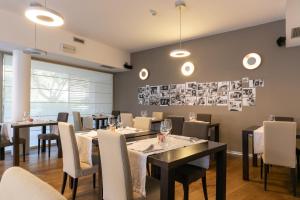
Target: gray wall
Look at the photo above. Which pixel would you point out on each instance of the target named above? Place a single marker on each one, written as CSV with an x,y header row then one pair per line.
x,y
219,58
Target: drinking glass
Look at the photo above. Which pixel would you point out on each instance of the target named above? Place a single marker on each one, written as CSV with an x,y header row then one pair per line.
x,y
119,122
144,113
192,116
168,125
110,122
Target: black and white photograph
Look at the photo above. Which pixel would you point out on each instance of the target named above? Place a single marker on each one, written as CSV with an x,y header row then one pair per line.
x,y
211,101
177,94
249,101
203,86
235,95
141,99
235,106
249,92
164,91
245,82
223,86
213,88
201,101
236,85
154,90
191,89
258,83
154,100
190,100
164,101
222,100
191,85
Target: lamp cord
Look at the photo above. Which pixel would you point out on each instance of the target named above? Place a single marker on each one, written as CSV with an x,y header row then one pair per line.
x,y
180,27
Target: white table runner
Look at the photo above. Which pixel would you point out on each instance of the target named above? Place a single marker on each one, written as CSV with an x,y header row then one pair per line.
x,y
258,140
139,150
85,145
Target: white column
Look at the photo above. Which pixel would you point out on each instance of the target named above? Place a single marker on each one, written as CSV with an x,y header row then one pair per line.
x,y
21,89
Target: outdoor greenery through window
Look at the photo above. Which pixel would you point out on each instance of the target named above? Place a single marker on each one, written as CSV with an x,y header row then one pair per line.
x,y
59,88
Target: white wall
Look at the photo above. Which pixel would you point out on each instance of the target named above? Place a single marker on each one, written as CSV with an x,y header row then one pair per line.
x,y
18,32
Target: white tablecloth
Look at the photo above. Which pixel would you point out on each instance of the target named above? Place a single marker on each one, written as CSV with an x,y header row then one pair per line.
x,y
138,153
6,132
258,140
85,146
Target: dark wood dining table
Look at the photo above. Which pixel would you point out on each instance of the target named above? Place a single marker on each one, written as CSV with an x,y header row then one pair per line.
x,y
170,160
245,148
100,121
16,134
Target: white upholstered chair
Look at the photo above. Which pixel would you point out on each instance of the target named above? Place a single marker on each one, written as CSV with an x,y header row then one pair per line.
x,y
17,183
126,119
280,148
116,174
158,115
72,165
142,123
87,123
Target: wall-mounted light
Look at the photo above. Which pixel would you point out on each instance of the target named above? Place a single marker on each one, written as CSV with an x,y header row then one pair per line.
x,y
187,68
252,61
143,74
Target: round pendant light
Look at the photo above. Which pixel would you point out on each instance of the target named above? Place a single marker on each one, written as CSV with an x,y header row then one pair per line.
x,y
179,53
187,68
44,16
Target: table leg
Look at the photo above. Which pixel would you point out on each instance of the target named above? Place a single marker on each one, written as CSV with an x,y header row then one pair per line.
x,y
16,151
167,184
245,147
97,124
221,166
2,153
217,133
43,141
254,159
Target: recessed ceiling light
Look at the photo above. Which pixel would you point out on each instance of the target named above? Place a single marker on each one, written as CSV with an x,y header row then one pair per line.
x,y
252,61
44,16
187,68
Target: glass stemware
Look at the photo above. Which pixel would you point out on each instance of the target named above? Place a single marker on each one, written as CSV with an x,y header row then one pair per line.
x,y
165,128
144,113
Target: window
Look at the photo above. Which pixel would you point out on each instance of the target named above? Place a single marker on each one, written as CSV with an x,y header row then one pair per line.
x,y
59,88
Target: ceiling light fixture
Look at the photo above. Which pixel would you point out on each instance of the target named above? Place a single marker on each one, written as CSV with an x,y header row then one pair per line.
x,y
179,53
187,68
35,51
44,16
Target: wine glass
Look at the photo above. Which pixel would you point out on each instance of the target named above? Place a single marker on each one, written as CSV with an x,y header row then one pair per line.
x,y
144,113
119,122
168,125
110,122
192,116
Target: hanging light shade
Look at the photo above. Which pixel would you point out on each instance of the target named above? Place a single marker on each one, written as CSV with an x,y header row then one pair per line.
x,y
44,16
179,53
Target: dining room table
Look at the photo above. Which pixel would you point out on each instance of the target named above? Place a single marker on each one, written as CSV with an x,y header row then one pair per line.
x,y
16,126
100,121
168,161
246,134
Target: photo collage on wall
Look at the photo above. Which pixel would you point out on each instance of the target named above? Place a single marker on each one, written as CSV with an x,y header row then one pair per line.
x,y
233,94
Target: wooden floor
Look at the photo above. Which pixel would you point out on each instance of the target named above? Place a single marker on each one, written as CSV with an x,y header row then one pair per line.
x,y
50,170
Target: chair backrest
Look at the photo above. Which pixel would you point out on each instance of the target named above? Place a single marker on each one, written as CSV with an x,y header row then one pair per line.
x,y
283,119
196,129
17,183
142,123
71,161
127,119
87,123
115,113
158,115
77,121
204,117
280,143
63,117
177,124
116,175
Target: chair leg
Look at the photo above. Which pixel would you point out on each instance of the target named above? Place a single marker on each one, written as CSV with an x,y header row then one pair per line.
x,y
24,152
261,167
294,180
204,186
298,164
71,182
185,191
94,181
65,176
266,176
49,148
39,146
75,184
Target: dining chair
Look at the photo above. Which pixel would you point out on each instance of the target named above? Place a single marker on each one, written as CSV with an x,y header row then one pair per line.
x,y
115,113
279,149
143,123
17,183
158,115
283,119
72,165
54,133
204,117
177,124
126,119
77,121
195,170
5,141
116,173
87,123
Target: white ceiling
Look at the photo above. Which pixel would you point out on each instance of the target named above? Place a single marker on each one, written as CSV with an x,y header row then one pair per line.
x,y
128,24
